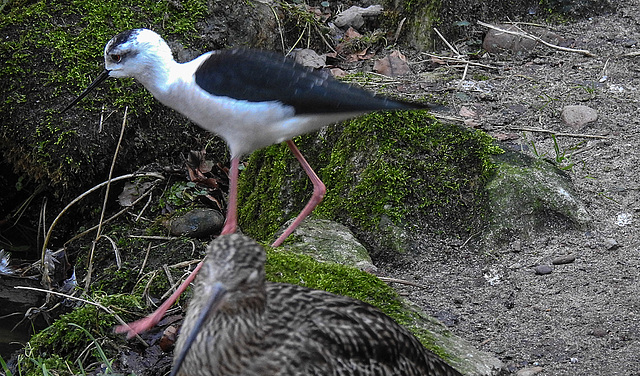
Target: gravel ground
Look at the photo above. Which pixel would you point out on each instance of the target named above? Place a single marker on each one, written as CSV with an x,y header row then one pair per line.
x,y
584,317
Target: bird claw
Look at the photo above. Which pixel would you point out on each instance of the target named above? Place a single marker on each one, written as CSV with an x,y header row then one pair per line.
x,y
134,328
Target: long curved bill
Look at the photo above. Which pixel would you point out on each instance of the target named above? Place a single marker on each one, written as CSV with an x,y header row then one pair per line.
x,y
103,76
213,303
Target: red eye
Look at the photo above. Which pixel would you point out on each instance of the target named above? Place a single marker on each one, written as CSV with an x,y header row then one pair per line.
x,y
116,58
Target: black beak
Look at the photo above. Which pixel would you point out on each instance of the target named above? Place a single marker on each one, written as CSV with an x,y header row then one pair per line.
x,y
103,76
214,301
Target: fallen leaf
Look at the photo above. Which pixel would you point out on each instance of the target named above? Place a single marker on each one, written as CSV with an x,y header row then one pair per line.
x,y
393,65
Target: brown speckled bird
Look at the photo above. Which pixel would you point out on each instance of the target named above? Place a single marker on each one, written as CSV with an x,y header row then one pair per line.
x,y
239,324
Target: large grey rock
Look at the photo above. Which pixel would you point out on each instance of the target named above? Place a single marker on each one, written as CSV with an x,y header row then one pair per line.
x,y
528,196
329,241
464,356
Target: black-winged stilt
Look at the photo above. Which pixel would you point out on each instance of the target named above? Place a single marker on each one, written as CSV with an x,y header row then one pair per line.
x,y
239,324
250,98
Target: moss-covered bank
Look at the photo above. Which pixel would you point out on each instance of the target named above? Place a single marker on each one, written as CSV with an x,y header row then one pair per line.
x,y
402,167
76,340
52,49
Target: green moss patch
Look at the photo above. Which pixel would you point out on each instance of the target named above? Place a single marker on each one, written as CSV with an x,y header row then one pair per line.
x,y
398,166
286,267
52,49
61,345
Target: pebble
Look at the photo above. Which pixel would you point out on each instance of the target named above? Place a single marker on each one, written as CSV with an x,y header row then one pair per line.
x,y
497,41
578,116
354,16
611,244
197,223
599,332
310,58
566,259
530,371
516,246
543,269
168,339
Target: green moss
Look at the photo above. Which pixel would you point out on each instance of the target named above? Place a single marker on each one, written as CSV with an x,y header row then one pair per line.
x,y
61,344
67,41
269,168
287,267
395,165
421,17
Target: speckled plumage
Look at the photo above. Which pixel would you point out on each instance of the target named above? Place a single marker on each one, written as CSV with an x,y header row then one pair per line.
x,y
267,329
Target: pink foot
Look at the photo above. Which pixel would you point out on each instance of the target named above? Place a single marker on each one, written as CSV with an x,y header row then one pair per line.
x,y
144,324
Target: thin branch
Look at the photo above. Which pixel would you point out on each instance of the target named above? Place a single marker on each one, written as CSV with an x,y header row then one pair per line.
x,y
447,43
144,262
402,281
153,237
116,251
106,309
85,194
541,130
457,60
529,24
631,54
537,39
126,209
143,208
396,36
87,278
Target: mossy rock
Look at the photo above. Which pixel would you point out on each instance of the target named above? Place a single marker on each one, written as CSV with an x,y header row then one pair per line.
x,y
385,173
52,50
455,19
528,196
329,241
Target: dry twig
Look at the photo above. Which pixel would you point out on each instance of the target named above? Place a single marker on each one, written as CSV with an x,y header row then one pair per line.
x,y
87,278
541,130
456,60
106,309
147,193
537,39
402,281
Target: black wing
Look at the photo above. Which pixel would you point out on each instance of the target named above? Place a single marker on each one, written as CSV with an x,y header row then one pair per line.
x,y
260,76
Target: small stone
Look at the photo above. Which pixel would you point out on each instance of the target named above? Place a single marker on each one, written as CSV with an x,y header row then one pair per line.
x,y
197,223
496,41
578,116
611,244
168,338
310,58
624,219
530,371
354,16
566,259
544,269
393,65
516,246
599,332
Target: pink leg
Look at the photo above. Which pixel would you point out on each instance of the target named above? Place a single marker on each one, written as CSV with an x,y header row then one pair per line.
x,y
318,193
230,225
150,321
231,221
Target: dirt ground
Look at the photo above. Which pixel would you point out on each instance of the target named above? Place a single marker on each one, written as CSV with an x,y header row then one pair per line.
x,y
584,317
